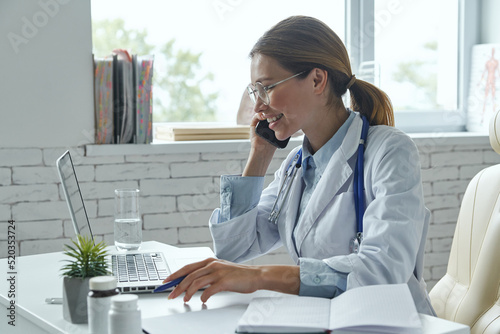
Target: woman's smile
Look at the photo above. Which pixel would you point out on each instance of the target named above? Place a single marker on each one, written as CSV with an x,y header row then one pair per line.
x,y
273,119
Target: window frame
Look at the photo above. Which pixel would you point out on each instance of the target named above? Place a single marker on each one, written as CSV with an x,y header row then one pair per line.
x,y
360,14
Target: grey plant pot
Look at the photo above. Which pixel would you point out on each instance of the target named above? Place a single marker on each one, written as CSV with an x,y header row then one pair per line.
x,y
75,291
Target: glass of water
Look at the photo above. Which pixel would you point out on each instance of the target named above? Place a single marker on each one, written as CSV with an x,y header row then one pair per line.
x,y
128,223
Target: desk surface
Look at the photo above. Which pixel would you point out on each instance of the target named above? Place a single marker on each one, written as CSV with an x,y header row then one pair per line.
x,y
38,277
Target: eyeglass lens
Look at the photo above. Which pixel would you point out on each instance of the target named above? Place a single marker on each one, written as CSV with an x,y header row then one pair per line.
x,y
258,91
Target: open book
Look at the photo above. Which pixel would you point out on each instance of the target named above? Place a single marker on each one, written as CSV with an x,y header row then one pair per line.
x,y
371,309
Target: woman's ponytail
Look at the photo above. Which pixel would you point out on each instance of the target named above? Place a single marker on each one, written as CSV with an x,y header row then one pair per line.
x,y
372,102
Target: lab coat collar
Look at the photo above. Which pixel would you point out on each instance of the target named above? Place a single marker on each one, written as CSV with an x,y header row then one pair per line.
x,y
337,173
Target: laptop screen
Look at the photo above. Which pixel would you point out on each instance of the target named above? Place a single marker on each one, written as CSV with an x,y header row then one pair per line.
x,y
73,195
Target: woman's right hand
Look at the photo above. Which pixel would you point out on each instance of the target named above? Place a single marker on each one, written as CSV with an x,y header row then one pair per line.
x,y
261,152
257,141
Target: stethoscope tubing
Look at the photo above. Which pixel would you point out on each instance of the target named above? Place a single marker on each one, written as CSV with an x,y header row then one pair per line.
x,y
359,198
296,163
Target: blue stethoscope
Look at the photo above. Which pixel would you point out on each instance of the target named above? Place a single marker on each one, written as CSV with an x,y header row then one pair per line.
x,y
358,184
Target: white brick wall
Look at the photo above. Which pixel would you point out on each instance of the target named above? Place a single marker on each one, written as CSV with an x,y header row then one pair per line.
x,y
179,192
446,171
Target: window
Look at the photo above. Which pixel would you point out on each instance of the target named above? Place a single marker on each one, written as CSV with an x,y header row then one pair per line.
x,y
413,50
221,32
416,45
417,51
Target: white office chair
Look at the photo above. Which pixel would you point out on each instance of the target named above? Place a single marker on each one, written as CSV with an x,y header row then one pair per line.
x,y
469,292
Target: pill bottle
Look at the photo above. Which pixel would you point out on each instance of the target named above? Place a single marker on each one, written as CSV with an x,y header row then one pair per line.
x,y
124,315
102,288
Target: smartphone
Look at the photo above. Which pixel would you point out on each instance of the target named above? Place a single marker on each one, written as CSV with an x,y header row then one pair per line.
x,y
262,129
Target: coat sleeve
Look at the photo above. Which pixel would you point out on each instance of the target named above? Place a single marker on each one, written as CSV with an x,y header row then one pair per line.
x,y
250,234
317,279
395,217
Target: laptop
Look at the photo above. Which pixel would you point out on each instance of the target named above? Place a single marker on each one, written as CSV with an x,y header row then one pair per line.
x,y
136,271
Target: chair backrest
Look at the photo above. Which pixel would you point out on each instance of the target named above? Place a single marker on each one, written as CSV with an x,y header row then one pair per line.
x,y
469,292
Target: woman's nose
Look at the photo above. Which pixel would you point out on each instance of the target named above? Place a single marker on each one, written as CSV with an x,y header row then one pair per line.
x,y
259,106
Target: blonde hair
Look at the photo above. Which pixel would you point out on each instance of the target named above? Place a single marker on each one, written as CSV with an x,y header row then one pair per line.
x,y
301,43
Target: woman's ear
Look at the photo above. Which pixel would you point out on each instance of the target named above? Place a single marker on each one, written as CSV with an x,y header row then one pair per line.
x,y
320,79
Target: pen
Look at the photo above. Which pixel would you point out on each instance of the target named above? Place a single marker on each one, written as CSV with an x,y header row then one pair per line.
x,y
169,284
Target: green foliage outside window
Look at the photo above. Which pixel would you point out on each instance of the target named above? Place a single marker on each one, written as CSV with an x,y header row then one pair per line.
x,y
414,72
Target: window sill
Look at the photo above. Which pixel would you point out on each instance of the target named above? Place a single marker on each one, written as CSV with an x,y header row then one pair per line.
x,y
221,146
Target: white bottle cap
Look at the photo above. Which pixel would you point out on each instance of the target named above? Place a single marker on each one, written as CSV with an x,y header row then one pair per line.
x,y
124,302
102,283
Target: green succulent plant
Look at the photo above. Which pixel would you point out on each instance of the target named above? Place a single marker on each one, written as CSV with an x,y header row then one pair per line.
x,y
88,259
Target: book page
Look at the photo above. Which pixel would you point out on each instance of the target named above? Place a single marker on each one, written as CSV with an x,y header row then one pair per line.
x,y
290,314
387,308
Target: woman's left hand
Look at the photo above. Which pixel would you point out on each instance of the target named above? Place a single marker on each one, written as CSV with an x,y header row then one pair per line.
x,y
216,275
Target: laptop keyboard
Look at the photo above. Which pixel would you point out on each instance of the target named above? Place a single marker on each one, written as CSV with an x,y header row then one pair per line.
x,y
139,267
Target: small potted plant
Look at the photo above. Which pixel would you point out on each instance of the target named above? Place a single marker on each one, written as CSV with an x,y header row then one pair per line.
x,y
87,260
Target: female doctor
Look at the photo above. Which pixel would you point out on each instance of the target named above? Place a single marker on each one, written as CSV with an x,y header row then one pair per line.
x,y
299,71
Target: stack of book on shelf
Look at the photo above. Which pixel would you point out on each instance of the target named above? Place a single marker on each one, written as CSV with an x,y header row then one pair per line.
x,y
123,98
200,131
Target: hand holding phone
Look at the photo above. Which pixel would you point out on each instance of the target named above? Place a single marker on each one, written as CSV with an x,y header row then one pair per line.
x,y
262,129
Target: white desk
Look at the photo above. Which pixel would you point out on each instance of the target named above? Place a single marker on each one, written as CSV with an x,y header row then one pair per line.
x,y
38,277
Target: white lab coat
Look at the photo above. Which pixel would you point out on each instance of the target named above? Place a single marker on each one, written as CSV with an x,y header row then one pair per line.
x,y
395,219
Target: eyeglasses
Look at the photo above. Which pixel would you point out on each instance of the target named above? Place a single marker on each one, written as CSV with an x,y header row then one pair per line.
x,y
260,91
